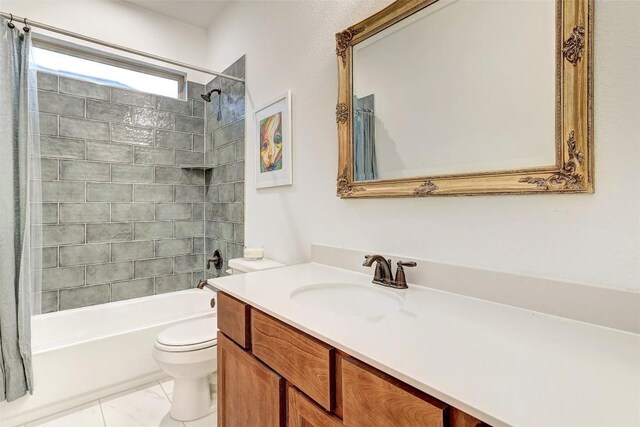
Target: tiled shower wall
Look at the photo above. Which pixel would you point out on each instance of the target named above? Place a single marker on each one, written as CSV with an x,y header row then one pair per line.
x,y
224,149
122,218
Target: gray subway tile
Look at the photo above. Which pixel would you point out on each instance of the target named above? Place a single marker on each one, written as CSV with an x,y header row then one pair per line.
x,y
188,228
151,118
132,97
108,112
152,193
174,105
198,109
106,192
171,139
84,212
58,278
82,88
84,297
171,247
226,192
105,273
198,211
225,231
153,230
49,213
186,263
235,171
49,302
239,187
153,267
131,173
48,124
198,245
61,147
84,254
168,175
189,158
47,81
131,289
153,156
189,193
131,250
234,250
57,191
49,169
173,211
212,229
239,146
55,103
132,212
194,90
86,129
49,257
131,135
238,233
198,143
190,124
213,193
107,152
175,282
53,235
236,212
74,170
110,232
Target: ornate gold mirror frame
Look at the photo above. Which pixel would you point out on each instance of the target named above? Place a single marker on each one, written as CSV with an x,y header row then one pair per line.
x,y
573,172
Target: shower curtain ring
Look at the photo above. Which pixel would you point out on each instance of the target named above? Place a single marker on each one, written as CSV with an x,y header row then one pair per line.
x,y
26,28
10,24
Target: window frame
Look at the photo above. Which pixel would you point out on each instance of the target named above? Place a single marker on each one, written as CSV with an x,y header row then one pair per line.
x,y
107,58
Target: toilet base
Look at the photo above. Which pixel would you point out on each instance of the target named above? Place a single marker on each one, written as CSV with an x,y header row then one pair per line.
x,y
192,399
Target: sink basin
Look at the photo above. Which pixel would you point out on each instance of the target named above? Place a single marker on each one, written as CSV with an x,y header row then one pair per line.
x,y
348,299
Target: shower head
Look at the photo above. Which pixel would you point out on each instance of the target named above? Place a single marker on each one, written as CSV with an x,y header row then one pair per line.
x,y
207,96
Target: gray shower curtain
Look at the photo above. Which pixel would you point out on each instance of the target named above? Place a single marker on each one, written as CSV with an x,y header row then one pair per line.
x,y
364,145
20,211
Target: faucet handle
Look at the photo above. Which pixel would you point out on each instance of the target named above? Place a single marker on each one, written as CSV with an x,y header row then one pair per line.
x,y
407,264
401,279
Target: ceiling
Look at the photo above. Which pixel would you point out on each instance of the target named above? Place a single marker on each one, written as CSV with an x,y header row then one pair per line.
x,y
195,12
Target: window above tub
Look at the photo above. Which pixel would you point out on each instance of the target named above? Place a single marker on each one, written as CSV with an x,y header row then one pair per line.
x,y
80,62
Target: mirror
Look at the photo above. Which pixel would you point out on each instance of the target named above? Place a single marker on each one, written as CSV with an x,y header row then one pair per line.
x,y
466,97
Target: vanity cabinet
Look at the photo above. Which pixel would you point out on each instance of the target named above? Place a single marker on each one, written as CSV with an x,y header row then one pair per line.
x,y
271,374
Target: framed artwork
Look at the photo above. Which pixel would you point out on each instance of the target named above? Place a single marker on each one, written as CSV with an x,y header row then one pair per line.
x,y
273,143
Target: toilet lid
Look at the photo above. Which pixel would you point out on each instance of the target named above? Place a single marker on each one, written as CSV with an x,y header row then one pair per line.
x,y
188,336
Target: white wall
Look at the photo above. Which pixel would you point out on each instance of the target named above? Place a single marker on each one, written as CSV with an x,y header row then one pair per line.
x,y
119,23
592,239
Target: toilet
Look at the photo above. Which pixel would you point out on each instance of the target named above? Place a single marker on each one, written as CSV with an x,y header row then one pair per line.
x,y
188,353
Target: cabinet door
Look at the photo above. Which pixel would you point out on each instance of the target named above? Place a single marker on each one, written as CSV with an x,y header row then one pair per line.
x,y
374,399
305,413
249,393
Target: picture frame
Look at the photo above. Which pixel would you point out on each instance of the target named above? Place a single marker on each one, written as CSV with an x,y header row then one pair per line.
x,y
272,143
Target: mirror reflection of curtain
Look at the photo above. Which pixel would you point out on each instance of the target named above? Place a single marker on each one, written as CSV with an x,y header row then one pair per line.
x,y
364,139
20,207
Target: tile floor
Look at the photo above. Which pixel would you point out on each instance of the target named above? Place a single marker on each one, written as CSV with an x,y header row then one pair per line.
x,y
146,406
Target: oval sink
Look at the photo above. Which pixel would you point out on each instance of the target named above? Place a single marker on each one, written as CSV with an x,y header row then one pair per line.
x,y
348,299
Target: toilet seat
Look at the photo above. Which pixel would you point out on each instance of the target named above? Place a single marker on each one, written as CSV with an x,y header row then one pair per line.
x,y
188,336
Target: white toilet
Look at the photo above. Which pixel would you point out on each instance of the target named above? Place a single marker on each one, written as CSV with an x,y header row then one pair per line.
x,y
188,353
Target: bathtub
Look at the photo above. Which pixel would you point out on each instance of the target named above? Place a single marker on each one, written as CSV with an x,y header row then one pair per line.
x,y
84,354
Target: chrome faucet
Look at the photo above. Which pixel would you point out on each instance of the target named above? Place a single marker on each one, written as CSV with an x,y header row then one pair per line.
x,y
383,275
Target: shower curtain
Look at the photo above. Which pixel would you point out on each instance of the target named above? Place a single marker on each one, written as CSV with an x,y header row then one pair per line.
x,y
20,211
364,145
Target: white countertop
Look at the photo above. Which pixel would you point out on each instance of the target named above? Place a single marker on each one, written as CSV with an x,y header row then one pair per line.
x,y
504,365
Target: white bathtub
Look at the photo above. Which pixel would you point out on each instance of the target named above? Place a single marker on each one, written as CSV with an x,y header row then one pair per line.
x,y
84,354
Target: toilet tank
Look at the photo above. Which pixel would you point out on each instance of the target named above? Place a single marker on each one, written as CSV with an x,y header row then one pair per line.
x,y
241,265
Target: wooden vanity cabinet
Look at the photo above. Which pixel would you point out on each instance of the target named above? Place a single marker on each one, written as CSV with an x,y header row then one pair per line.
x,y
271,374
249,393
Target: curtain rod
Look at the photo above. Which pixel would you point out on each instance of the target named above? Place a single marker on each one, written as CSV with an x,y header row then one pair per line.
x,y
19,20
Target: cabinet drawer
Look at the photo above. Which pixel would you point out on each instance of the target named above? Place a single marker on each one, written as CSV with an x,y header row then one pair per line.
x,y
372,398
302,360
303,412
234,319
